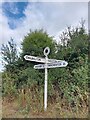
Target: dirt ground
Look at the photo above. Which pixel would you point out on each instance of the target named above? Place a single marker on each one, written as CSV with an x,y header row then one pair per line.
x,y
10,109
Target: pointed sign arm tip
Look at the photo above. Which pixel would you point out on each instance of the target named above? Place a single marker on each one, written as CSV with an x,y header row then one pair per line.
x,y
24,56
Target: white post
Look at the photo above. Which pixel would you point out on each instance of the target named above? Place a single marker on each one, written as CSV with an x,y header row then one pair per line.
x,y
45,85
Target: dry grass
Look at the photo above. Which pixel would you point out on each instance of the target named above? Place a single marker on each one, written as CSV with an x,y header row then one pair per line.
x,y
11,109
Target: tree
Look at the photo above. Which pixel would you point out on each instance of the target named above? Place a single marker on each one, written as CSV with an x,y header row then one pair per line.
x,y
74,49
9,53
10,57
76,45
35,42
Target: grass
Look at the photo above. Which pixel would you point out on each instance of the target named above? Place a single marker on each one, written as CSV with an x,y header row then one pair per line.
x,y
16,108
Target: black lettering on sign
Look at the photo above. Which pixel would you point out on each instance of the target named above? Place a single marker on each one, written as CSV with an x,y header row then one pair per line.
x,y
63,63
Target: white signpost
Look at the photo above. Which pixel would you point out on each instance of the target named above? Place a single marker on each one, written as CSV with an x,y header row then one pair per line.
x,y
49,63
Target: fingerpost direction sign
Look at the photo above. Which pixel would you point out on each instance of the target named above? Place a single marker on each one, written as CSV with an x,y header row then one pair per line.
x,y
48,63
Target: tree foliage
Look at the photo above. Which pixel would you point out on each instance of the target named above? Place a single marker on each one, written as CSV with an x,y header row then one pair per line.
x,y
35,42
9,53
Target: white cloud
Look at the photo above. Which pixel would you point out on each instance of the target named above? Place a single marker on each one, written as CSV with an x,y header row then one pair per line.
x,y
53,17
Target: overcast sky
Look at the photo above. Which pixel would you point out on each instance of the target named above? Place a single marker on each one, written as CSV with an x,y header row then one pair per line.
x,y
17,18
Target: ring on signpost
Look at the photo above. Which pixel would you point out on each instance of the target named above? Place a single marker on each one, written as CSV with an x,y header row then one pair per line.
x,y
46,51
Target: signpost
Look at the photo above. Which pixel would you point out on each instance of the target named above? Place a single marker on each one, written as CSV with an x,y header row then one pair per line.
x,y
48,63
